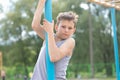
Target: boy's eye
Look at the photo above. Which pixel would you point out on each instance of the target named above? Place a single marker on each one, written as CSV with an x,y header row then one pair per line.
x,y
70,28
63,26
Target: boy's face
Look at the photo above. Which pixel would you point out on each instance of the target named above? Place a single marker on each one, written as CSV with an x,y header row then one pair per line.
x,y
65,29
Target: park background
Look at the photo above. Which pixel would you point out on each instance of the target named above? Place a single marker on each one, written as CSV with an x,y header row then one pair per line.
x,y
93,56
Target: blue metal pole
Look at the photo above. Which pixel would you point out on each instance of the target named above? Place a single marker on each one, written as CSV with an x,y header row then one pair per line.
x,y
49,65
115,43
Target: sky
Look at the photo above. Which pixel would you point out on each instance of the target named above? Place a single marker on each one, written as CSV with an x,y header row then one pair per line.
x,y
5,5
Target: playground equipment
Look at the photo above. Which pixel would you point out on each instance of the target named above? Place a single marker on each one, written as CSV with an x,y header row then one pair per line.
x,y
108,3
50,66
112,4
0,62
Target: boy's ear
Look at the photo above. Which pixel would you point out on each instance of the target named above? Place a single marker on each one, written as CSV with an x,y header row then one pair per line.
x,y
56,27
74,30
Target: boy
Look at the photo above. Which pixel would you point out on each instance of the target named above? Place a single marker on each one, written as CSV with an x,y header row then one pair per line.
x,y
60,44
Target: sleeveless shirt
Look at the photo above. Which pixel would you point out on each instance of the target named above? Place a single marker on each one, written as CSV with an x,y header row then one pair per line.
x,y
40,73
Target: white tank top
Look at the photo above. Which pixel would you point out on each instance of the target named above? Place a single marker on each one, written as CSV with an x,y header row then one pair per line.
x,y
60,66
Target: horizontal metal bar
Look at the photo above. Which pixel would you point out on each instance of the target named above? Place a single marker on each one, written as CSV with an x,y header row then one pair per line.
x,y
108,3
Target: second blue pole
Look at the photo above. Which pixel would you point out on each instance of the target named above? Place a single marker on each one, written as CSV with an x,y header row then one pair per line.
x,y
115,43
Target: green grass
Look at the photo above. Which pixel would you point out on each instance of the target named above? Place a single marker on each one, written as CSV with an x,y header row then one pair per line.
x,y
95,79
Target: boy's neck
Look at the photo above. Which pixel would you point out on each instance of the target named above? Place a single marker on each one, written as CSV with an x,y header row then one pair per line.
x,y
57,38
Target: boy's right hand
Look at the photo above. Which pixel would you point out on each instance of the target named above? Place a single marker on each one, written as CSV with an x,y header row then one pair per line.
x,y
48,26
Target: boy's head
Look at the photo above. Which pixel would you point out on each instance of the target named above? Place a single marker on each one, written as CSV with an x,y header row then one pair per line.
x,y
66,24
70,16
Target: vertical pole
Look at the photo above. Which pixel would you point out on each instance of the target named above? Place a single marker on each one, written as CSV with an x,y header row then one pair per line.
x,y
115,43
0,62
49,64
91,43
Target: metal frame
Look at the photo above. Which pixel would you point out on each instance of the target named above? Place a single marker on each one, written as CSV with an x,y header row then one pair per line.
x,y
0,62
116,52
108,3
112,4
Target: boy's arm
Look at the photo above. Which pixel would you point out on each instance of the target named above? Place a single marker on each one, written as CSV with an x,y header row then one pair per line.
x,y
37,27
57,53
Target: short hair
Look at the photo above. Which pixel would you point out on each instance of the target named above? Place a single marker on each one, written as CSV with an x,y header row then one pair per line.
x,y
70,16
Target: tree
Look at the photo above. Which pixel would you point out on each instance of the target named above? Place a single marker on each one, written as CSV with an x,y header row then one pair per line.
x,y
19,42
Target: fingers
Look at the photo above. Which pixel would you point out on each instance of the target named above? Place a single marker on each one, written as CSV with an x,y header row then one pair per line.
x,y
48,26
44,20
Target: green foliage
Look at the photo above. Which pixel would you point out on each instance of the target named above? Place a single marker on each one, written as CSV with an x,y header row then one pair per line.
x,y
19,45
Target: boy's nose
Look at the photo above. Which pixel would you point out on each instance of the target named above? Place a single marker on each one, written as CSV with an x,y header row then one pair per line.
x,y
66,29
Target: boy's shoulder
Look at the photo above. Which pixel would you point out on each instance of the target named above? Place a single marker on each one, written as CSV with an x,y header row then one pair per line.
x,y
71,40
